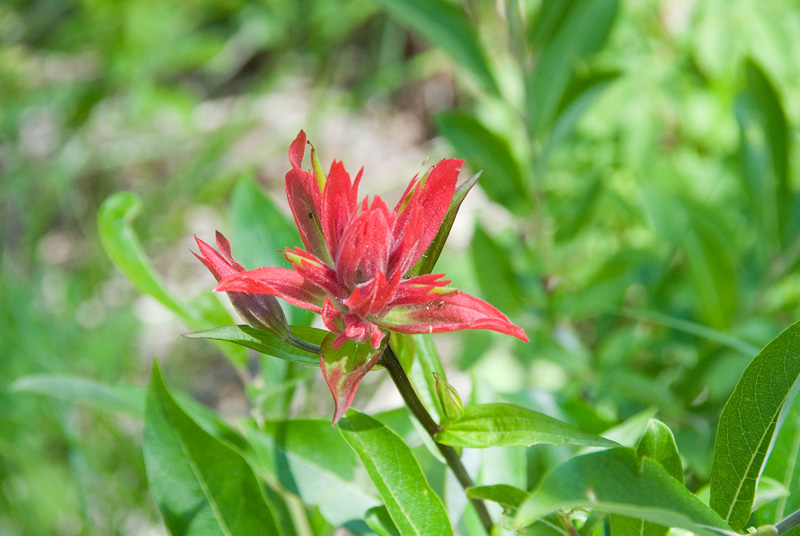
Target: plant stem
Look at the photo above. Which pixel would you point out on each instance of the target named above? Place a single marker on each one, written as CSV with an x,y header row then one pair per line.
x,y
390,362
789,523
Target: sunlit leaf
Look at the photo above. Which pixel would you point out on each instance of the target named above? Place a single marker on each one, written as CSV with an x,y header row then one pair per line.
x,y
413,506
748,423
658,444
619,481
507,425
121,243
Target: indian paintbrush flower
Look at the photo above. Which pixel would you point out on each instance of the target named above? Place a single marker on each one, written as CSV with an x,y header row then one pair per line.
x,y
360,267
257,310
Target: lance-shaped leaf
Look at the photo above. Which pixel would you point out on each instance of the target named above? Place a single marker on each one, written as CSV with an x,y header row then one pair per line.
x,y
122,245
344,367
414,507
427,261
266,343
508,425
200,484
748,423
658,444
619,481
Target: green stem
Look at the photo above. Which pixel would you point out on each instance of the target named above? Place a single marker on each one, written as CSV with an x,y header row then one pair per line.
x,y
789,523
400,379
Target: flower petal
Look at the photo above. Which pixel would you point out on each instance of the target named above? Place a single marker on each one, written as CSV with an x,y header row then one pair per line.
x,y
364,249
427,261
344,367
450,312
339,205
281,282
317,272
305,200
218,265
434,199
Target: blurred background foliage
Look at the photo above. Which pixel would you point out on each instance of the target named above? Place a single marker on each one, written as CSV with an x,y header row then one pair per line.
x,y
639,212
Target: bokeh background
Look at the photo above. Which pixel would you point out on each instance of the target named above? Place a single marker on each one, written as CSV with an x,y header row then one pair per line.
x,y
638,212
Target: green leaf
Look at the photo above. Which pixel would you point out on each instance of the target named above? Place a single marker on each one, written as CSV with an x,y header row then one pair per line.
x,y
311,460
496,276
201,485
502,178
506,496
748,423
783,467
447,27
115,225
258,229
620,482
658,444
413,506
380,521
124,398
507,425
572,36
266,343
764,153
427,261
712,266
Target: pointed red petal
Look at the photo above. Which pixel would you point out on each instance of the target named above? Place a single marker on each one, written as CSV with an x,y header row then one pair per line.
x,y
305,200
317,272
420,290
281,282
434,199
340,204
450,312
225,247
216,263
344,366
364,249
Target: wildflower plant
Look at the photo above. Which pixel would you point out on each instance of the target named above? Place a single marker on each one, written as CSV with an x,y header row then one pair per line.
x,y
368,272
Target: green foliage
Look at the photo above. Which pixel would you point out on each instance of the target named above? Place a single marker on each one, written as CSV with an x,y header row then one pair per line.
x,y
413,506
201,484
640,223
748,423
619,481
507,425
266,343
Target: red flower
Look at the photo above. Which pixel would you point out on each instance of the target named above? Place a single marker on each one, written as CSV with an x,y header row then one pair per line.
x,y
355,268
258,310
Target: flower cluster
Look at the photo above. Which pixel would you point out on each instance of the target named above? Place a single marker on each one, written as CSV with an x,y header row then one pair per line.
x,y
360,267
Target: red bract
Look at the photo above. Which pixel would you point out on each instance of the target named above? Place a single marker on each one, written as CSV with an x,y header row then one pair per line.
x,y
258,310
353,270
